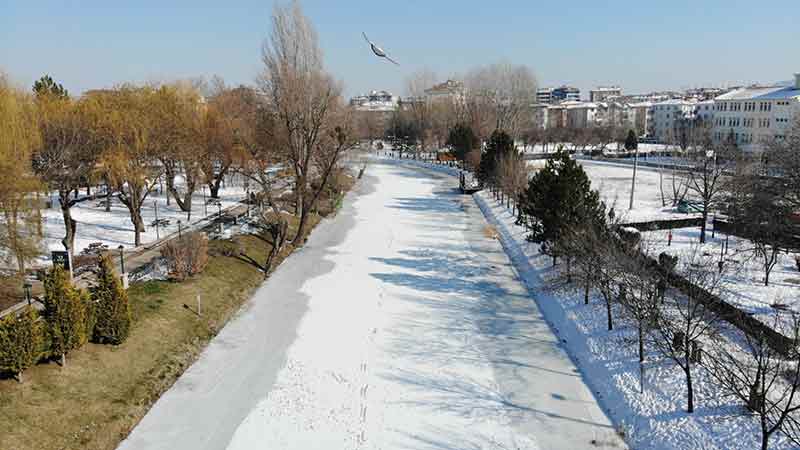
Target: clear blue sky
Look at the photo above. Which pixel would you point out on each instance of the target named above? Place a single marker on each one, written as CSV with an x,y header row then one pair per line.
x,y
640,45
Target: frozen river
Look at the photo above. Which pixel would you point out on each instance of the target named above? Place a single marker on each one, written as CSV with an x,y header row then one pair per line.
x,y
400,325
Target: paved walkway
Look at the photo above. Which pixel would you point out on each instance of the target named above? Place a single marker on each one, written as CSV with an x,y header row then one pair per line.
x,y
401,324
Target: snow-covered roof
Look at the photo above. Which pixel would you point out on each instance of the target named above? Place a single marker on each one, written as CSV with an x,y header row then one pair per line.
x,y
675,101
762,93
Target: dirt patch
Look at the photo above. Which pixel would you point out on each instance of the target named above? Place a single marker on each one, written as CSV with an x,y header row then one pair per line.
x,y
490,232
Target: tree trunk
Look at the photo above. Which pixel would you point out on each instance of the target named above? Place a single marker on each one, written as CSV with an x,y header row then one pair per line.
x,y
641,344
108,197
586,293
689,388
70,225
703,226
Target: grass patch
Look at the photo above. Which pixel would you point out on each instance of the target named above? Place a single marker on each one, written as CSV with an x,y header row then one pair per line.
x,y
103,391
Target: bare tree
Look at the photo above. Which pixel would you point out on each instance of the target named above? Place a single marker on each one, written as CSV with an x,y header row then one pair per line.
x,y
19,137
706,179
68,153
420,106
685,320
177,128
307,106
499,96
750,370
129,159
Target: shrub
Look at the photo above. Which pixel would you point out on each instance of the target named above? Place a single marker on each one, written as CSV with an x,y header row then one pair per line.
x,y
21,341
113,313
667,261
66,310
186,256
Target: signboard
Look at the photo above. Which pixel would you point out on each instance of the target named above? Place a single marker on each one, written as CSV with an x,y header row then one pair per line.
x,y
63,259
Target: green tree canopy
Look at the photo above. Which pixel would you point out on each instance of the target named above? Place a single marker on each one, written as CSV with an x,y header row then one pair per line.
x,y
462,140
559,197
46,86
631,142
500,144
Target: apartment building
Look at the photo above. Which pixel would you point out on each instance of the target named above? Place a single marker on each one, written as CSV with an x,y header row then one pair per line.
x,y
604,93
754,115
668,117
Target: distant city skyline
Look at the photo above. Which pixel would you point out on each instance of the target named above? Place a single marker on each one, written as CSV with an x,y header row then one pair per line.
x,y
639,47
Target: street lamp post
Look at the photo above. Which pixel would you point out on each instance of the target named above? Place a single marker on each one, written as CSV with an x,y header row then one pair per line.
x,y
219,215
27,286
179,229
205,204
121,259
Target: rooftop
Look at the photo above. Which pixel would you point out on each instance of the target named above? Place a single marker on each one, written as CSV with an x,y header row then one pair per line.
x,y
762,93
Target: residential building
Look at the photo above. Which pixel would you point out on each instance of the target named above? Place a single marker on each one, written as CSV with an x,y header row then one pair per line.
x,y
544,96
753,115
375,101
639,115
667,118
556,116
580,114
566,93
449,90
539,115
604,93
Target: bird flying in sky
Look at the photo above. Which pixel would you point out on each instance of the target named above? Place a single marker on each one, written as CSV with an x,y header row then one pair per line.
x,y
377,50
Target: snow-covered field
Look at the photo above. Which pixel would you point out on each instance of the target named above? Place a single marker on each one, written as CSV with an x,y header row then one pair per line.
x,y
613,181
400,324
743,276
115,228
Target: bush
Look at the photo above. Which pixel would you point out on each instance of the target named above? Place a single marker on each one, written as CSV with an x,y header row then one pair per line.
x,y
186,256
113,313
667,261
66,310
21,341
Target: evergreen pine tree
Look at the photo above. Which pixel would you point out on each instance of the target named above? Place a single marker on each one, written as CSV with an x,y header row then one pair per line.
x,y
560,196
113,313
500,144
21,341
631,142
462,139
47,86
65,310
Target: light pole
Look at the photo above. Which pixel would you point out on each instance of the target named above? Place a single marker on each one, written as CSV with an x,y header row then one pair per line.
x,y
27,286
219,215
179,229
121,259
155,205
205,205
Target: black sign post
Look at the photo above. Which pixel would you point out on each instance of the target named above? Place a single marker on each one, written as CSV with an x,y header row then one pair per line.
x,y
63,259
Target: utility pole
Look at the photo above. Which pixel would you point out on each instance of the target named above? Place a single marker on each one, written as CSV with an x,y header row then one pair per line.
x,y
633,181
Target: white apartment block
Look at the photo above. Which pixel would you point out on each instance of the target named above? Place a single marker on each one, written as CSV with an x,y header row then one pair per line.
x,y
639,117
753,115
667,116
604,93
375,101
580,114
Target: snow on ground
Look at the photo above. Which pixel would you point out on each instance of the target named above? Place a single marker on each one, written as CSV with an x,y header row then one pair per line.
x,y
115,228
613,181
655,419
743,278
400,324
